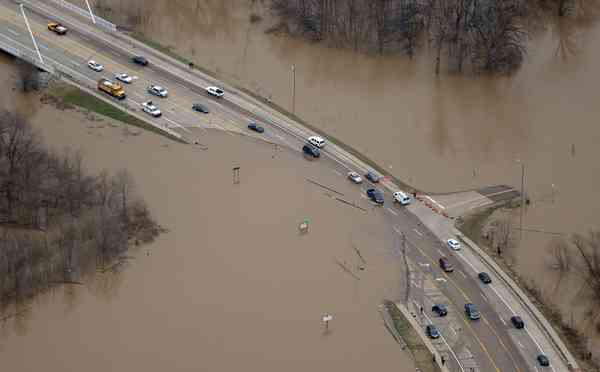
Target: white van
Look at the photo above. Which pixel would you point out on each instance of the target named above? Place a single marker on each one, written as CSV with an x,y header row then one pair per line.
x,y
402,198
316,141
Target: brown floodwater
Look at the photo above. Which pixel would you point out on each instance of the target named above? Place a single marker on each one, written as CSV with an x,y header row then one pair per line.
x,y
232,285
438,134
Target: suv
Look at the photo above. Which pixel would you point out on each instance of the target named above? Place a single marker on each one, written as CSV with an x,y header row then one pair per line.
x,y
484,277
375,195
432,331
372,176
215,92
139,60
151,109
472,312
446,265
316,141
311,150
440,309
517,322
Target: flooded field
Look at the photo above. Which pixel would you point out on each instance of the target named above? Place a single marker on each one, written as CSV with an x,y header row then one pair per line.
x,y
439,134
233,284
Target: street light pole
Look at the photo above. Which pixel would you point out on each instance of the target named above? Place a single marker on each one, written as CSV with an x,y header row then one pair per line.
x,y
293,89
31,34
90,10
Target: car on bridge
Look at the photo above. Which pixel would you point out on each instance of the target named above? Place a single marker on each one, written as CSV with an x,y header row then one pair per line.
x,y
472,312
402,198
311,150
255,127
316,141
484,277
200,108
453,244
446,265
151,109
215,92
124,78
432,331
440,309
354,177
140,60
375,195
57,28
158,91
95,65
372,176
543,360
517,321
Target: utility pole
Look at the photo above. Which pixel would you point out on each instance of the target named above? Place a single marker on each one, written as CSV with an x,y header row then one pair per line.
x,y
294,89
31,34
90,10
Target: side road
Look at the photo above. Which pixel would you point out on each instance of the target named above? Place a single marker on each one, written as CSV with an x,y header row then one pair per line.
x,y
509,301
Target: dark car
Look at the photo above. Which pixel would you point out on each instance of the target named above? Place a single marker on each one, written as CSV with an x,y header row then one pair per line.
x,y
543,360
446,265
440,309
484,277
517,322
472,312
372,176
311,150
255,127
140,60
200,108
375,195
432,331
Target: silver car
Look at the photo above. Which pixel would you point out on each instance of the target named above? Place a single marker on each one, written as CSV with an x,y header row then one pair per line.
x,y
354,177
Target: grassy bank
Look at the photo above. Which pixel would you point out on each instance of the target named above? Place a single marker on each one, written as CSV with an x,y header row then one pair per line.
x,y
70,95
421,355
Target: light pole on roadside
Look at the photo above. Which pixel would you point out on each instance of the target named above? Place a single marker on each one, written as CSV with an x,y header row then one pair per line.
x,y
293,89
31,33
90,10
522,198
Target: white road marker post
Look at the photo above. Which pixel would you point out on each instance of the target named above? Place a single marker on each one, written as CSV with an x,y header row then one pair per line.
x,y
326,319
90,10
31,33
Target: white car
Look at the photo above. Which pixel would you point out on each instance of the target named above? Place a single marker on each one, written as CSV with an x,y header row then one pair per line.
x,y
124,78
316,141
215,91
454,244
95,66
402,198
151,109
158,91
354,177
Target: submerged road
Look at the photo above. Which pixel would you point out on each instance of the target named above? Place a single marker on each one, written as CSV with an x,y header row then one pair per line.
x,y
494,343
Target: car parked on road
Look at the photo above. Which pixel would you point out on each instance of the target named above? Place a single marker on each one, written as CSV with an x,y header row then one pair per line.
x,y
453,244
446,265
124,78
402,198
372,176
200,108
158,91
517,322
255,127
311,150
375,195
151,109
484,277
215,92
432,331
543,360
95,65
440,309
472,312
57,28
354,177
316,141
140,60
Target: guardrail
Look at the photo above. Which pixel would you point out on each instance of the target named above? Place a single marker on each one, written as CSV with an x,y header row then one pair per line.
x,y
84,13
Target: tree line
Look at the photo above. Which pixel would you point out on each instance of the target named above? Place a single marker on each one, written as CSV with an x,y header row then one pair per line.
x,y
482,35
57,222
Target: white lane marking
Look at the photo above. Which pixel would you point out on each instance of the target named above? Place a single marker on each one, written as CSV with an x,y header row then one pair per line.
x,y
443,280
177,124
464,259
504,322
391,211
461,273
447,345
337,172
45,47
534,341
435,202
396,229
418,232
136,102
520,345
440,252
13,31
364,197
484,297
502,299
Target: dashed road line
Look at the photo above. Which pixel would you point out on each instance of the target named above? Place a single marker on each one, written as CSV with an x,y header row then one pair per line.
x,y
391,211
461,273
337,172
12,31
418,232
502,320
440,252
